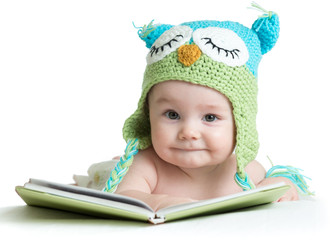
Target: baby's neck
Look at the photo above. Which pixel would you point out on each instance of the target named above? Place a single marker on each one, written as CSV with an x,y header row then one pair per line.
x,y
198,174
197,183
204,173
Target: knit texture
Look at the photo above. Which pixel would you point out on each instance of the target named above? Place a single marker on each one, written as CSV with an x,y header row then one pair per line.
x,y
267,28
188,54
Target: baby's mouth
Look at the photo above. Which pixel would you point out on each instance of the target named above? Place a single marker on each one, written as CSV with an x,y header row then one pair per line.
x,y
189,149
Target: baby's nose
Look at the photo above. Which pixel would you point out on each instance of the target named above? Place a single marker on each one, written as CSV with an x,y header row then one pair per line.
x,y
188,54
189,133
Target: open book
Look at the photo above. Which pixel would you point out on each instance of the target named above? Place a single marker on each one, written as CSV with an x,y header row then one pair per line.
x,y
107,205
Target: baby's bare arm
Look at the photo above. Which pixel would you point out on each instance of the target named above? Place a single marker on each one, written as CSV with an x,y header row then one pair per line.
x,y
290,195
141,176
257,173
141,180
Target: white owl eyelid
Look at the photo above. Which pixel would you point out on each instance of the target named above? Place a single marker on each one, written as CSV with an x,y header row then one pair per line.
x,y
231,44
176,36
155,49
232,52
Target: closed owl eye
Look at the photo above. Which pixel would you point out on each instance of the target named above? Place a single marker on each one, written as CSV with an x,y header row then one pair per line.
x,y
233,52
168,42
156,50
222,45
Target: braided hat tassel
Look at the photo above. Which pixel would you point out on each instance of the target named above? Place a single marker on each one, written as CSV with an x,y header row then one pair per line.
x,y
245,183
122,166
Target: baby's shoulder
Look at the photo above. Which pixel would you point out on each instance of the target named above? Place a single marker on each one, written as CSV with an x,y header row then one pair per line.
x,y
149,163
144,159
142,174
255,171
147,156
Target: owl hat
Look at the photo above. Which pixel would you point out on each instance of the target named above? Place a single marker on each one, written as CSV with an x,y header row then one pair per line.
x,y
221,55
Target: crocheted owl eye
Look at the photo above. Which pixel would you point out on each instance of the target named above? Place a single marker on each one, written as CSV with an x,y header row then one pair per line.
x,y
222,45
168,42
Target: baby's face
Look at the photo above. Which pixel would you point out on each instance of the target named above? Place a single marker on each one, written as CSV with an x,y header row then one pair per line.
x,y
191,126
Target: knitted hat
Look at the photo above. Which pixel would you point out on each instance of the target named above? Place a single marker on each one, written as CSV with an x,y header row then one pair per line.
x,y
222,55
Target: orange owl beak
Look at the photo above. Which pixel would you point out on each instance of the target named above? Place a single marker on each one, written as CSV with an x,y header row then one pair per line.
x,y
188,54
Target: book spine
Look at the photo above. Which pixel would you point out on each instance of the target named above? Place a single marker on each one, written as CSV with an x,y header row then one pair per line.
x,y
156,220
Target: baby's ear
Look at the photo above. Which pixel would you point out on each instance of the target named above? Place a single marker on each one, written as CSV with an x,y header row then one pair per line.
x,y
267,28
149,33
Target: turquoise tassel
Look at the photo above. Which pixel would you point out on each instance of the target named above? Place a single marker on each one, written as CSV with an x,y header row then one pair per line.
x,y
246,183
145,30
292,174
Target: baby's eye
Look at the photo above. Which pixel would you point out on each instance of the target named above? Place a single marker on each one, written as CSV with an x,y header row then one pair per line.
x,y
172,115
222,45
210,118
168,42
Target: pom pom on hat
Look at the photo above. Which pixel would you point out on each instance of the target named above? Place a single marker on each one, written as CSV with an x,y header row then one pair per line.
x,y
149,33
267,28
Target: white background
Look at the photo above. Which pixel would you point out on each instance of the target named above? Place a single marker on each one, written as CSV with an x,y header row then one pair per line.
x,y
71,73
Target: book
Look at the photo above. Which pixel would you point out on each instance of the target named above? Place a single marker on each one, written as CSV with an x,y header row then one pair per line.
x,y
97,203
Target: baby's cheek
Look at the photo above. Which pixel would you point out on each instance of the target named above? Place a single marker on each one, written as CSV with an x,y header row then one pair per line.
x,y
157,135
160,145
221,140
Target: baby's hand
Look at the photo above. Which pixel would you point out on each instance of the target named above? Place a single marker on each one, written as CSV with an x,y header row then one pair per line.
x,y
290,195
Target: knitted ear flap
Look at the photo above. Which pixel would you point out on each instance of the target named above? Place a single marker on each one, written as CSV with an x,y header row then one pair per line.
x,y
149,33
267,28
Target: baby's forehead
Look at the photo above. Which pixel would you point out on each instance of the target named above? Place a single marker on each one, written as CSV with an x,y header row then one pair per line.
x,y
172,86
185,92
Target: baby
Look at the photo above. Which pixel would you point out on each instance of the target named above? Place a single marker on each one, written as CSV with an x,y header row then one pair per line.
x,y
195,126
193,136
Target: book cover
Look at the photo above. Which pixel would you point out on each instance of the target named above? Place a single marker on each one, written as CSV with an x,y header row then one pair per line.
x,y
107,205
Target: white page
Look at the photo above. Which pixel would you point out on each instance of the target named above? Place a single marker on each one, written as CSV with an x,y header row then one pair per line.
x,y
90,199
91,192
162,212
90,195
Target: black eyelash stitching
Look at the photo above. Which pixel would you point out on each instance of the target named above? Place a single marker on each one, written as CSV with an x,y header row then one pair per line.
x,y
156,49
232,52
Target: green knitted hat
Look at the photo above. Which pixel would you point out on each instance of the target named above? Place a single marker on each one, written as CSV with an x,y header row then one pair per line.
x,y
221,55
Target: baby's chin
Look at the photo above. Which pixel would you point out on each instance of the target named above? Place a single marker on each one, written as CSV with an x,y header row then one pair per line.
x,y
194,160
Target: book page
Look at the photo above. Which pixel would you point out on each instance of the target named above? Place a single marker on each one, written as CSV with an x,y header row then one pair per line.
x,y
37,184
279,188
